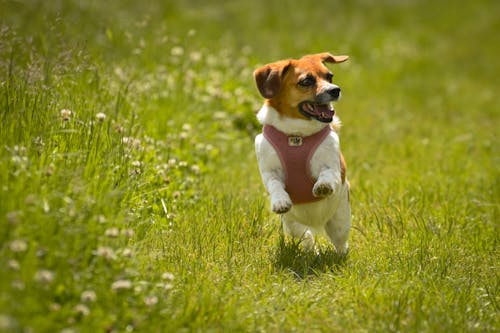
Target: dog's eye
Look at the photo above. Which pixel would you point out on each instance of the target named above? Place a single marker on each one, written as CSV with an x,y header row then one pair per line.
x,y
308,81
329,77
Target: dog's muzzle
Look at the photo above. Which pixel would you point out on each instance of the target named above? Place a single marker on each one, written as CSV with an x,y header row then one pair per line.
x,y
321,109
320,112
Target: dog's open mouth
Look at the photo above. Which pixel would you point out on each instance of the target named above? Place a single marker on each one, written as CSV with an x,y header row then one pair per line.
x,y
320,112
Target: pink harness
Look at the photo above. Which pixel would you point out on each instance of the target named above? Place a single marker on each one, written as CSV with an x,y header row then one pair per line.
x,y
295,153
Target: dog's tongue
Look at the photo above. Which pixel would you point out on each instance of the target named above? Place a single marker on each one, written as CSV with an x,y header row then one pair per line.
x,y
321,112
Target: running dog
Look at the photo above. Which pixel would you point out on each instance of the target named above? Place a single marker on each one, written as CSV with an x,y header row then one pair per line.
x,y
298,151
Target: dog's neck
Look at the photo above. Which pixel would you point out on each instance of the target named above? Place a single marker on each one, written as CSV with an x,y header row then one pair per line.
x,y
290,126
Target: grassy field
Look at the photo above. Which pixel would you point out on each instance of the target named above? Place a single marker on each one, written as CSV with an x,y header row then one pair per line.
x,y
130,198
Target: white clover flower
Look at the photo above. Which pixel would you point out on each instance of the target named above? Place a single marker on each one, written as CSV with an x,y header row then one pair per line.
x,y
168,276
177,51
100,116
13,265
7,324
13,217
151,300
101,219
88,296
121,285
112,232
82,310
44,276
66,114
131,142
129,233
187,127
195,56
195,169
18,245
105,252
128,253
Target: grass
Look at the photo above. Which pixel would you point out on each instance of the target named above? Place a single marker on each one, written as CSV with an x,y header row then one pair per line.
x,y
130,198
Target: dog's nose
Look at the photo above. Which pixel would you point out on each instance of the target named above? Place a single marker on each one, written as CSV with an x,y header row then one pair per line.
x,y
334,92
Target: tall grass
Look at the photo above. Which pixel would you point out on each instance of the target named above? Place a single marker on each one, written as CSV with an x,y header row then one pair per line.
x,y
130,198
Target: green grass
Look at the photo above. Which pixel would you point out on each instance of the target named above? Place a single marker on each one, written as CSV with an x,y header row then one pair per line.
x,y
143,209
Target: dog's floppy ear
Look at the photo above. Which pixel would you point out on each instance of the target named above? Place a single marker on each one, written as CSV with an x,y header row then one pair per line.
x,y
268,78
330,58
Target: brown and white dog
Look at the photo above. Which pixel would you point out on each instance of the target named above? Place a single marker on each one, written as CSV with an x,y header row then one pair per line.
x,y
299,150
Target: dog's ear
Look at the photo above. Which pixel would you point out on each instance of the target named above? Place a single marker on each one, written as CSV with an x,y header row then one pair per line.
x,y
330,58
268,78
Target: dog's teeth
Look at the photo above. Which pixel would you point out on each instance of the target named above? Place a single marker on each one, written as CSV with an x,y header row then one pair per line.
x,y
310,107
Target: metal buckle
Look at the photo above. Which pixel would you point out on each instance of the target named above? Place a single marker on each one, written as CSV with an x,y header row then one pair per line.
x,y
295,141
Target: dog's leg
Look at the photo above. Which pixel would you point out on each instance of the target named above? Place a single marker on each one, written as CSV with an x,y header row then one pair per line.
x,y
272,175
339,225
299,231
328,181
280,200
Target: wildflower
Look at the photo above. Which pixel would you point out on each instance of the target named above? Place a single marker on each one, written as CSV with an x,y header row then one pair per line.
x,y
54,307
195,56
18,285
66,114
129,233
118,128
131,142
127,253
82,310
105,252
112,232
101,219
18,245
177,51
100,116
88,296
68,330
7,324
13,217
44,276
195,169
151,300
187,127
121,285
13,265
168,276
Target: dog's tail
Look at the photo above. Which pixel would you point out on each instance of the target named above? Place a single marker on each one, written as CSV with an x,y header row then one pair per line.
x,y
336,124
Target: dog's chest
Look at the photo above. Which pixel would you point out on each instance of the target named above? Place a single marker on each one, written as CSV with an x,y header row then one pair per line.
x,y
295,154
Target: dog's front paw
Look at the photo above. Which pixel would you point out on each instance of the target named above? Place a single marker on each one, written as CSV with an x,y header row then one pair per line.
x,y
322,190
281,205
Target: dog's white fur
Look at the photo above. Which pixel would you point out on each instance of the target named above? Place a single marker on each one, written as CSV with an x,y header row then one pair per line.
x,y
332,214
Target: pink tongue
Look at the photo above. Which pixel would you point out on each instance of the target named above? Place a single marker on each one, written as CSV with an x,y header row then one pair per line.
x,y
323,110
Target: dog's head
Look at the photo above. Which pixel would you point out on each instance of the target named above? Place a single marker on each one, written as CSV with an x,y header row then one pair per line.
x,y
300,88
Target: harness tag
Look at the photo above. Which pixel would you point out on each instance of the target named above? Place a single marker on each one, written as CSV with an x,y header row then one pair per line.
x,y
295,141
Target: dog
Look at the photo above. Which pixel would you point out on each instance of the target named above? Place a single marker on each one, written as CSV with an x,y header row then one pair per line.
x,y
298,151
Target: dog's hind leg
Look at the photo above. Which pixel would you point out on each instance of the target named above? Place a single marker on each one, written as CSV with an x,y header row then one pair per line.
x,y
299,231
339,226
